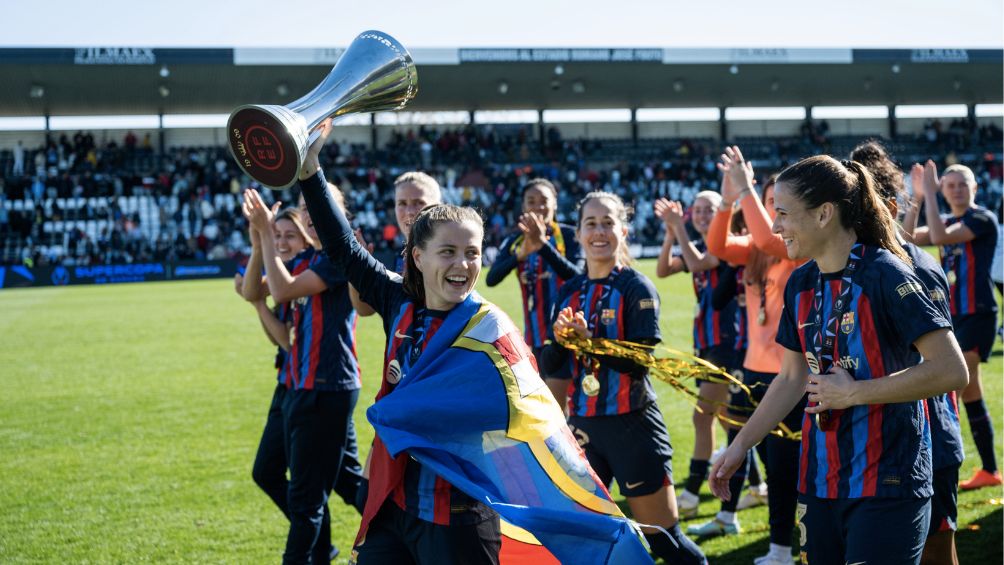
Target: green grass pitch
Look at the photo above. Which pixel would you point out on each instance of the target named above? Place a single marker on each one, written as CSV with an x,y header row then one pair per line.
x,y
130,415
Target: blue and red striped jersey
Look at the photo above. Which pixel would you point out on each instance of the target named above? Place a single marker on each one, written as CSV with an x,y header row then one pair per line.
x,y
541,276
422,493
322,353
622,306
943,410
712,327
967,264
880,449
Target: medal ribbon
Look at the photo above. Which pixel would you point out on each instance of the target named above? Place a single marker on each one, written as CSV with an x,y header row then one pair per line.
x,y
824,346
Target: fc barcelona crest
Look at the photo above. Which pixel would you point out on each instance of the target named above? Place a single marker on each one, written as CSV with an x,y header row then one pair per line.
x,y
847,323
608,315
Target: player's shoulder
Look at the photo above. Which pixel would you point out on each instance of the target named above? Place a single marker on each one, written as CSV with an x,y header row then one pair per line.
x,y
632,280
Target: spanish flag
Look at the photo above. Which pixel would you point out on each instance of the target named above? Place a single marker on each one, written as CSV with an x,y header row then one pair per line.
x,y
475,410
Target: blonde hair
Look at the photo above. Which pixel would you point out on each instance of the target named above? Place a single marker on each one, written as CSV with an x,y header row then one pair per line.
x,y
711,196
963,170
421,180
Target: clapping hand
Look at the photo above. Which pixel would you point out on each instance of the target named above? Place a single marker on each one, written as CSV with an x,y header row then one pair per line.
x,y
737,174
571,324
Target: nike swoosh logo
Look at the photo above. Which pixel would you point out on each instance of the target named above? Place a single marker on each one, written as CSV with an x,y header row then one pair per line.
x,y
399,335
633,485
858,563
805,325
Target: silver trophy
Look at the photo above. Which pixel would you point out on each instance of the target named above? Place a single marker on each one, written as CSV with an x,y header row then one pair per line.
x,y
269,142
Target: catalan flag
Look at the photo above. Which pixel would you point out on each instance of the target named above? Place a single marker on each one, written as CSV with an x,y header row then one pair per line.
x,y
475,410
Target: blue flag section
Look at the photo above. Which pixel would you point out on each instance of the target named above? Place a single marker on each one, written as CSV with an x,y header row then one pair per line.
x,y
475,410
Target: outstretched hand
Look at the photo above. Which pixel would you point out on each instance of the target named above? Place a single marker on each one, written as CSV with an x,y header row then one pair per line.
x,y
917,182
312,162
670,212
931,181
737,174
533,227
258,215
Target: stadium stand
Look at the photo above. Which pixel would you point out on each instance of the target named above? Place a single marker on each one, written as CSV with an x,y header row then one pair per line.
x,y
82,203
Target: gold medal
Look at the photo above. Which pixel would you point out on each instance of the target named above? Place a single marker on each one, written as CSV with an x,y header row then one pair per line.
x,y
952,278
590,384
697,310
761,317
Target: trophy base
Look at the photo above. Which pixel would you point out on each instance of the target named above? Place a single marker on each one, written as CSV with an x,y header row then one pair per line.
x,y
269,143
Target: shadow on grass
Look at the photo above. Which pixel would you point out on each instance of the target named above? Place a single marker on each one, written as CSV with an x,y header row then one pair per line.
x,y
741,550
979,542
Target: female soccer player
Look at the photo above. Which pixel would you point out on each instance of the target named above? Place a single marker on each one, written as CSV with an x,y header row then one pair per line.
x,y
544,254
946,439
967,238
611,403
269,471
322,381
851,318
714,330
766,271
424,519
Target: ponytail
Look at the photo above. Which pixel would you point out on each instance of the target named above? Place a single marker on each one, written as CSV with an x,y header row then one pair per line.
x,y
874,224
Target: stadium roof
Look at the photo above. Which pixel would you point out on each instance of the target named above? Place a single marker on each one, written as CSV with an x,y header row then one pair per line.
x,y
138,80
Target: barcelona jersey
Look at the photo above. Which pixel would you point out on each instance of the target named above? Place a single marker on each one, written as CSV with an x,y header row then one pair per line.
x,y
541,276
967,264
712,327
873,450
322,352
622,306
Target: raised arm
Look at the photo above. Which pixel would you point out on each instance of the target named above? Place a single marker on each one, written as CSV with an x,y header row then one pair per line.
x,y
737,186
376,286
731,248
253,287
937,232
504,263
913,209
695,260
667,264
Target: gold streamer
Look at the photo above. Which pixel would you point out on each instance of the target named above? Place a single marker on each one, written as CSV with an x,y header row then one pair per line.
x,y
674,367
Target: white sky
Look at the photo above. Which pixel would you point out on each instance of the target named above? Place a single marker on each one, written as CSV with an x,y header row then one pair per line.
x,y
496,23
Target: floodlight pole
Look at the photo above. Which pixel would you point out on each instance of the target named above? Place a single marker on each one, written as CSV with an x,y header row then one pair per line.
x,y
892,121
634,127
160,133
723,128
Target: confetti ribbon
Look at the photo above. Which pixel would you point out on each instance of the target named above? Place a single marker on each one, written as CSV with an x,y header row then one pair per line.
x,y
674,368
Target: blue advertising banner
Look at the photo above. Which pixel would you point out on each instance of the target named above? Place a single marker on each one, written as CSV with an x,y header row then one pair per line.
x,y
21,277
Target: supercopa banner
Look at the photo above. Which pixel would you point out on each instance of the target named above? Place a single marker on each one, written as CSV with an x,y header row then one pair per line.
x,y
21,277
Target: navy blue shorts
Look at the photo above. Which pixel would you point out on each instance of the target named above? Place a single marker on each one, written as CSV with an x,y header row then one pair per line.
x,y
724,356
396,537
945,502
743,404
976,332
869,530
634,448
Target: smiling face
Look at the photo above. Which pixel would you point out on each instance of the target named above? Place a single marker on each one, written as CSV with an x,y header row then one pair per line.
x,y
288,241
541,201
409,199
957,190
796,224
701,214
601,232
450,262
